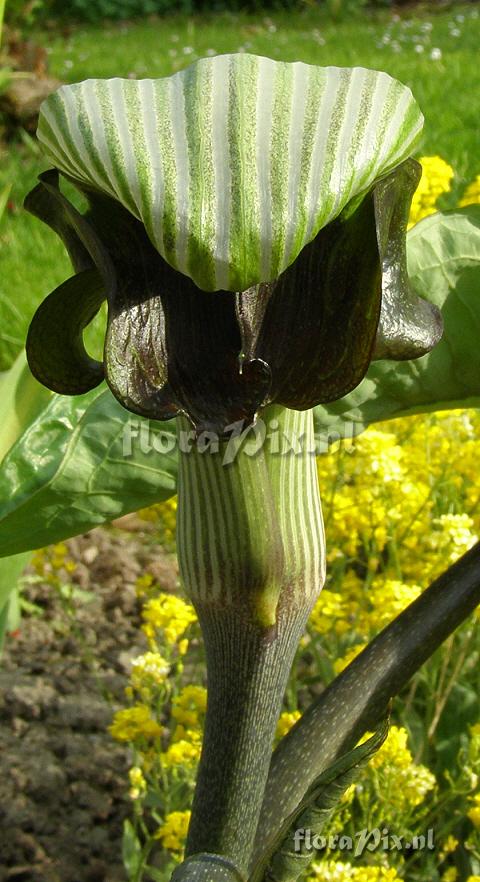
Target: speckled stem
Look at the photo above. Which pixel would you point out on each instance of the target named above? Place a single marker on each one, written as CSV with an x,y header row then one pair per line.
x,y
357,698
251,553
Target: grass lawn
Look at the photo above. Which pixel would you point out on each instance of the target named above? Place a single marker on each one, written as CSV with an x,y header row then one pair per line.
x,y
435,53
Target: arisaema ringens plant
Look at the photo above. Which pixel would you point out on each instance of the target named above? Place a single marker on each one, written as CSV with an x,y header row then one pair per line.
x,y
245,222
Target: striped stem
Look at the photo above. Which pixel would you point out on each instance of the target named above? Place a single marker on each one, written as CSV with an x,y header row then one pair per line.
x,y
251,553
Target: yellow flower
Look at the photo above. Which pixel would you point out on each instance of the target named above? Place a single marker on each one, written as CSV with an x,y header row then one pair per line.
x,y
387,598
182,753
143,584
285,723
164,516
471,194
168,614
473,879
148,670
329,609
436,179
457,533
341,663
173,831
337,871
394,750
189,706
133,723
474,813
138,785
448,846
450,875
407,782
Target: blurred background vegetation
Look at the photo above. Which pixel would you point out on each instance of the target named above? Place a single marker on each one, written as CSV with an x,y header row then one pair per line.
x,y
28,12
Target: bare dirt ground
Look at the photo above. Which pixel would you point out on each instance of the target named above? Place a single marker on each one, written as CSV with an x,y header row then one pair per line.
x,y
63,780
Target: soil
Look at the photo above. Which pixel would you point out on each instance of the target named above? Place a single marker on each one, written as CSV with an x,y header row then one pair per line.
x,y
63,780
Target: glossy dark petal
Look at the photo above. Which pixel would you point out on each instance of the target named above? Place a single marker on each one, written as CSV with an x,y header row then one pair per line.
x,y
46,202
315,326
170,348
55,350
409,326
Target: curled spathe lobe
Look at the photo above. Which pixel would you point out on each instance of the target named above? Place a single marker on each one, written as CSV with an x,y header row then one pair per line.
x,y
219,357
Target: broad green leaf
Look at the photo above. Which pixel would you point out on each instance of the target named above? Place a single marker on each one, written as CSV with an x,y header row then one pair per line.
x,y
4,193
444,267
83,461
21,399
132,854
237,162
288,856
11,569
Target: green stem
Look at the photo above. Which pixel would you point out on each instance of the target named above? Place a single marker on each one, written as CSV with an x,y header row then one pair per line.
x,y
2,13
358,697
251,554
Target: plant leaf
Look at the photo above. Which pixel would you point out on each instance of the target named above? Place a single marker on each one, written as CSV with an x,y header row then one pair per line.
x,y
235,163
4,194
83,461
11,569
21,399
444,267
132,854
288,857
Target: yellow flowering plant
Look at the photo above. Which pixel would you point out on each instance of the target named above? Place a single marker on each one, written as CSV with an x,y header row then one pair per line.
x,y
254,266
162,722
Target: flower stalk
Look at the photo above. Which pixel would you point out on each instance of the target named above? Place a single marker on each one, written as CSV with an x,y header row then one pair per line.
x,y
360,695
251,553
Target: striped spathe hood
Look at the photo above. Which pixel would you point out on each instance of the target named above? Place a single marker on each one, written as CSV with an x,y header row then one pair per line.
x,y
246,224
234,164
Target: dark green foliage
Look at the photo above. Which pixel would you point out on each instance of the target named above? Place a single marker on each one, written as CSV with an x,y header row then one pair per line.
x,y
22,14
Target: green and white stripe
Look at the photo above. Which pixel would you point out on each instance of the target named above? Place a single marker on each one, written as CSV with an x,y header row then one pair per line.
x,y
251,524
235,163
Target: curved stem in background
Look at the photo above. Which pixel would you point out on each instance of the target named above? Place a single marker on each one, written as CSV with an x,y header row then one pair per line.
x,y
251,553
358,697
